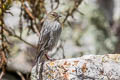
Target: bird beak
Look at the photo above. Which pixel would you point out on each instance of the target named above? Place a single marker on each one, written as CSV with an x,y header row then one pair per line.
x,y
58,17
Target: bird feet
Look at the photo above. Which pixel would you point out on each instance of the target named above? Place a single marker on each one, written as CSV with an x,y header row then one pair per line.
x,y
48,57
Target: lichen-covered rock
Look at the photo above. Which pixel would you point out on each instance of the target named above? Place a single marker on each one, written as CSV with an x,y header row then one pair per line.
x,y
88,67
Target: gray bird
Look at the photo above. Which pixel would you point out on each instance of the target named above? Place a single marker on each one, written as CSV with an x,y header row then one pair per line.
x,y
49,34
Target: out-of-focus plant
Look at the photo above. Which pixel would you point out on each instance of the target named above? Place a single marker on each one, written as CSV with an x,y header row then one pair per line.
x,y
4,5
33,11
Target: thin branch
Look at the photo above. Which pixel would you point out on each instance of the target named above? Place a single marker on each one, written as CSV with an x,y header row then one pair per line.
x,y
2,73
21,75
70,13
14,35
32,17
28,12
3,46
58,2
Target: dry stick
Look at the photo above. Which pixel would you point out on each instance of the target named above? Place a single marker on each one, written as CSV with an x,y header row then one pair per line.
x,y
66,17
32,17
52,6
76,5
20,22
58,2
14,35
51,1
24,41
2,51
2,73
21,75
3,59
28,12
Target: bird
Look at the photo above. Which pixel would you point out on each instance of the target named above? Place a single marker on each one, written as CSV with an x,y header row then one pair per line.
x,y
49,34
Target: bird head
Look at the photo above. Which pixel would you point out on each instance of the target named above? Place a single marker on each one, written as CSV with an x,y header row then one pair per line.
x,y
53,16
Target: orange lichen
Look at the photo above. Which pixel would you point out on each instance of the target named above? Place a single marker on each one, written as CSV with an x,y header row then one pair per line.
x,y
66,63
84,68
76,62
66,76
73,70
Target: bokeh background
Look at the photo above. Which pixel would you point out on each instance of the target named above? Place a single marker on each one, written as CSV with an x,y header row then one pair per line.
x,y
90,27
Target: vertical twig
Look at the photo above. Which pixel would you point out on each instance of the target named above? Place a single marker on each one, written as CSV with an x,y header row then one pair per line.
x,y
2,45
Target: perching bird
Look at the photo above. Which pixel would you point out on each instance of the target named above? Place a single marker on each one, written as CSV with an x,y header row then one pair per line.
x,y
49,34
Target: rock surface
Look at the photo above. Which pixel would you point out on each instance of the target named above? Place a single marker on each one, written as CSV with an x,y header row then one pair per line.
x,y
88,67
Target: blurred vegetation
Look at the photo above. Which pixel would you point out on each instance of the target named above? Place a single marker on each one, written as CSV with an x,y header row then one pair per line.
x,y
89,27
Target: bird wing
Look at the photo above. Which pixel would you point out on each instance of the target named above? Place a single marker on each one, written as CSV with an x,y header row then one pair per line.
x,y
43,41
55,34
43,38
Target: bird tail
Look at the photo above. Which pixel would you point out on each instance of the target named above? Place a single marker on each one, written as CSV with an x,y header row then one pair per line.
x,y
38,60
39,56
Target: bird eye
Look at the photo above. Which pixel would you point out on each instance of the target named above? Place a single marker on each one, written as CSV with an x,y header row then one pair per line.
x,y
53,14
